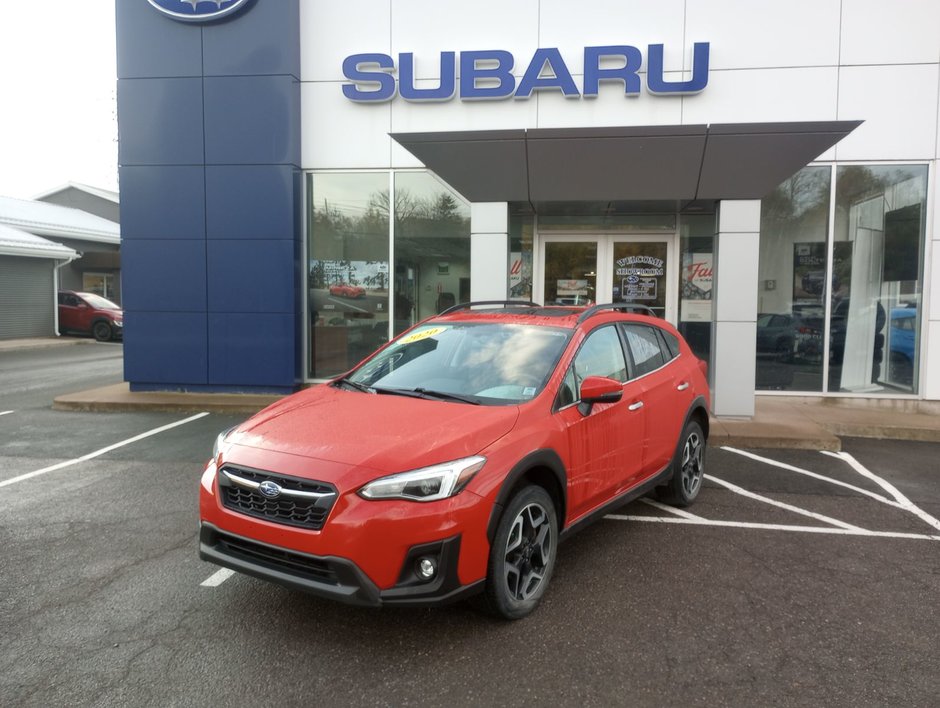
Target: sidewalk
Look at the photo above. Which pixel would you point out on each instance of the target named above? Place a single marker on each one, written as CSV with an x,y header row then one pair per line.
x,y
779,422
41,343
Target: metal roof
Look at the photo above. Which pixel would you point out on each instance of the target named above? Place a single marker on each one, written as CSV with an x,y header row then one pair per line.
x,y
673,162
44,219
14,242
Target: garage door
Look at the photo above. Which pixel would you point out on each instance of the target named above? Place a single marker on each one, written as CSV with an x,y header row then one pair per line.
x,y
26,298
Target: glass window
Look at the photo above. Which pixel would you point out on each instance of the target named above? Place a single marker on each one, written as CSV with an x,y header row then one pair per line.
x,y
489,363
600,355
521,231
570,273
697,246
645,348
876,278
432,248
792,282
671,344
348,277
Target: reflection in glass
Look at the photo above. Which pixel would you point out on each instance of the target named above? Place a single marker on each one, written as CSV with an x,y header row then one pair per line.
x,y
640,274
521,231
874,326
348,276
696,281
491,364
792,283
432,248
570,273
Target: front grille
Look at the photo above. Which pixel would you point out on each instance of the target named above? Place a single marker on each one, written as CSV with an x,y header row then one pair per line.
x,y
278,558
303,513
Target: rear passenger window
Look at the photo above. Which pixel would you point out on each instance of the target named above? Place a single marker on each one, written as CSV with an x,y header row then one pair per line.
x,y
672,344
645,347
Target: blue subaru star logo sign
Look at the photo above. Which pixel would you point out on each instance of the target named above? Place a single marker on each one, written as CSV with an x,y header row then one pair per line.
x,y
198,10
270,489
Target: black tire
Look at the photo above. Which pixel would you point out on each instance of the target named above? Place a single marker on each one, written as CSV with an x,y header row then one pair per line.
x,y
102,331
522,555
688,468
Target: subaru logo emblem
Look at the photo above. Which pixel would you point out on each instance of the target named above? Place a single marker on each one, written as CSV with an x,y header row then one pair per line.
x,y
269,489
198,10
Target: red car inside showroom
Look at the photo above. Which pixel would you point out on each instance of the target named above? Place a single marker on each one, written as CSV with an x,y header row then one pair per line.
x,y
453,460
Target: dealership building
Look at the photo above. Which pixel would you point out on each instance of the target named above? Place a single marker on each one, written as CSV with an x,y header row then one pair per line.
x,y
303,179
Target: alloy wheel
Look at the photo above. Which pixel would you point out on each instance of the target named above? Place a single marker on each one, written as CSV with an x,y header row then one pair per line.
x,y
528,552
693,468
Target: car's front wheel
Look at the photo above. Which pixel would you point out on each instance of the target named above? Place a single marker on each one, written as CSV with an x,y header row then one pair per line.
x,y
102,331
522,556
688,468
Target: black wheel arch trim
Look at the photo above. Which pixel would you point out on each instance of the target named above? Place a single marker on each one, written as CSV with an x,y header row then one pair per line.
x,y
699,404
544,458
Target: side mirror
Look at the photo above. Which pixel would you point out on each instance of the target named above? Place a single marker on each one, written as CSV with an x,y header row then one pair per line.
x,y
598,389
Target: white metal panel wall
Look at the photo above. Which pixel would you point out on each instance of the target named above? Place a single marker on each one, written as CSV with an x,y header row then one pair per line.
x,y
27,301
781,61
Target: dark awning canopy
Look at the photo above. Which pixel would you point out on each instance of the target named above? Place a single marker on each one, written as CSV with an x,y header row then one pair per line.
x,y
675,162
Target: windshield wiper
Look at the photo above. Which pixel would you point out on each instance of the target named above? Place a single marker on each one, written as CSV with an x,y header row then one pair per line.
x,y
355,384
427,393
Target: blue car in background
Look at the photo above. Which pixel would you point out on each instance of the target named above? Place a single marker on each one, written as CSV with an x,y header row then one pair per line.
x,y
902,335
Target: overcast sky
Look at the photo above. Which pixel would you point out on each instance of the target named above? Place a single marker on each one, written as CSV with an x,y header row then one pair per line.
x,y
57,115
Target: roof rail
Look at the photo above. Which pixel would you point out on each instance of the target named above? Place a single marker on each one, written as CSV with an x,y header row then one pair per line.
x,y
617,306
503,303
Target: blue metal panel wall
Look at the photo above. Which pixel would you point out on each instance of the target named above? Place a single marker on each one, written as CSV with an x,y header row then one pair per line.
x,y
209,121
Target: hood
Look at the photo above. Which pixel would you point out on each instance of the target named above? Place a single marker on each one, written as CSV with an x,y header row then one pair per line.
x,y
385,433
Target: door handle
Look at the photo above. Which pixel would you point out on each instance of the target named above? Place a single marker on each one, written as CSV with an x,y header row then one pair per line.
x,y
635,406
683,386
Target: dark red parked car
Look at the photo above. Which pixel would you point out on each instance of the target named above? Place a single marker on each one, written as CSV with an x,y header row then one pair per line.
x,y
454,459
87,313
344,290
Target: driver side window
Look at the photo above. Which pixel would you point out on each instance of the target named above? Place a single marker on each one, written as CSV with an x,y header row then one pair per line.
x,y
600,355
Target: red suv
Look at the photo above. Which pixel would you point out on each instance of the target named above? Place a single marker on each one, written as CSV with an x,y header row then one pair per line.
x,y
454,459
88,313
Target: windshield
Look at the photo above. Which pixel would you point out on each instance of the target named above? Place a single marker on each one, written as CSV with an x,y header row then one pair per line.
x,y
491,363
99,302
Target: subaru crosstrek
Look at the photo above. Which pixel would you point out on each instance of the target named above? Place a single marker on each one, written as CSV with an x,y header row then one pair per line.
x,y
454,459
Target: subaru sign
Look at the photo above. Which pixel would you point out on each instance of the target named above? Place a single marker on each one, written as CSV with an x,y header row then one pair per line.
x,y
487,75
198,10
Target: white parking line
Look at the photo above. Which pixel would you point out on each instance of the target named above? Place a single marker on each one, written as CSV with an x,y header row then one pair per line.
x,y
800,470
102,451
773,527
217,578
795,509
5,412
902,500
670,509
346,304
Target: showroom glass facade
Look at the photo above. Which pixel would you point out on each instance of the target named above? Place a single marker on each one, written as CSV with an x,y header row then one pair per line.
x,y
693,232
841,272
356,221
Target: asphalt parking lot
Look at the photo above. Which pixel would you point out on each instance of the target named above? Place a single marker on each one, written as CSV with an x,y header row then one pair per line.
x,y
798,578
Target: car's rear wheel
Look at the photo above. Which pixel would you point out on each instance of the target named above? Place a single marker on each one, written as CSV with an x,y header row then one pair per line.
x,y
688,468
522,555
102,331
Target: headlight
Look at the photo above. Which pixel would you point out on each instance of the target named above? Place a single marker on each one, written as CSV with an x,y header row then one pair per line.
x,y
219,443
427,484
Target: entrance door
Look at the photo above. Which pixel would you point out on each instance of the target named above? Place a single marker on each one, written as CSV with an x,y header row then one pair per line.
x,y
581,269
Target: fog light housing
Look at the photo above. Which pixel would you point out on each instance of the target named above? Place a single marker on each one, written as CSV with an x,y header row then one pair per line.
x,y
426,568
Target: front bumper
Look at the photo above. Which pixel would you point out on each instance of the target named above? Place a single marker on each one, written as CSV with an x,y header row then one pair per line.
x,y
338,578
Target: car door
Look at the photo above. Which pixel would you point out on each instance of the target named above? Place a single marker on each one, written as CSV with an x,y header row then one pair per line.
x,y
68,312
606,444
666,395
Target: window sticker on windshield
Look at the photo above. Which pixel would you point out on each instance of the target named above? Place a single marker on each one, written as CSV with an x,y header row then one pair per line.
x,y
418,336
528,391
